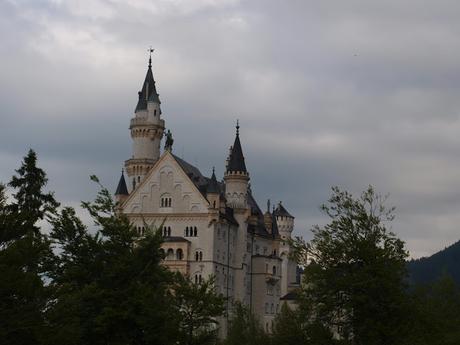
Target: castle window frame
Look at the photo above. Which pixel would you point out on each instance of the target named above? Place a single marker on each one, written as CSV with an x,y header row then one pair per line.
x,y
165,201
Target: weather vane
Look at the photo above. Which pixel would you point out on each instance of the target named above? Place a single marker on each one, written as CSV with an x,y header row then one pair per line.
x,y
150,50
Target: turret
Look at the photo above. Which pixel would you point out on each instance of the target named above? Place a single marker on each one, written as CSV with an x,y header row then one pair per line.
x,y
213,192
146,131
236,176
284,220
121,194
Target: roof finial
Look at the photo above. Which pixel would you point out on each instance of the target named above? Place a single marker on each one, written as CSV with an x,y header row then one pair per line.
x,y
213,170
150,50
268,206
237,127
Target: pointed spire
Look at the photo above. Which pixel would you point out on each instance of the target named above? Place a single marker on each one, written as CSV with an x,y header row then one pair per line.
x,y
236,159
121,188
149,92
213,186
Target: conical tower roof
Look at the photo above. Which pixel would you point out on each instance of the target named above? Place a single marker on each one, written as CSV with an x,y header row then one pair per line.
x,y
121,188
149,92
281,211
213,186
236,159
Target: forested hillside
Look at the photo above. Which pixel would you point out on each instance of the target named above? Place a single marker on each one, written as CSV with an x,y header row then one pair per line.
x,y
428,270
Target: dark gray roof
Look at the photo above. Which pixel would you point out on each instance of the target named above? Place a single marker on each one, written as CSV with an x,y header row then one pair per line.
x,y
148,92
200,181
213,185
175,239
281,211
236,159
290,296
121,188
228,215
275,232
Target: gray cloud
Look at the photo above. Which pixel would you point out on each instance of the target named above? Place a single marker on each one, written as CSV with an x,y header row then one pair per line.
x,y
328,93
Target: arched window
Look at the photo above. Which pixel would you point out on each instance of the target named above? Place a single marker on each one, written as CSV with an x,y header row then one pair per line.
x,y
134,183
166,201
179,254
274,270
201,256
155,112
200,279
274,252
186,231
272,309
138,179
196,256
169,231
170,254
162,253
196,278
195,231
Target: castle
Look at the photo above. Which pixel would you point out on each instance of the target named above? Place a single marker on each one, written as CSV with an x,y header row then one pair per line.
x,y
210,227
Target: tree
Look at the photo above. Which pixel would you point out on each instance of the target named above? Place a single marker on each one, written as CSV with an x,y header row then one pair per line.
x,y
198,306
23,253
292,327
355,270
244,328
109,286
435,313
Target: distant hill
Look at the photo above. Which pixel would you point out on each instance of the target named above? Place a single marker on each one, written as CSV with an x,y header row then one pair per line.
x,y
427,270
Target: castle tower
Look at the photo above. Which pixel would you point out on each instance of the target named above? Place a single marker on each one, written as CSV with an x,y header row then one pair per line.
x,y
236,176
285,222
146,131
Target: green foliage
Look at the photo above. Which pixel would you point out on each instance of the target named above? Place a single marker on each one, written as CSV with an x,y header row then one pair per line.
x,y
198,306
435,314
356,269
23,253
245,328
292,327
109,286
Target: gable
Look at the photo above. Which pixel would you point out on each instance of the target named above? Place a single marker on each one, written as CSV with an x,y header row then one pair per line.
x,y
166,189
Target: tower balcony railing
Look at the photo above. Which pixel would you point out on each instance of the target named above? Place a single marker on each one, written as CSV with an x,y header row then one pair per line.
x,y
141,121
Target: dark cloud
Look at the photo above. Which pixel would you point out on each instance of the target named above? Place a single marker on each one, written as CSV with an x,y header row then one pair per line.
x,y
328,93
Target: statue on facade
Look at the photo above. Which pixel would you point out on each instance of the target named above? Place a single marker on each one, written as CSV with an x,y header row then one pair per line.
x,y
169,141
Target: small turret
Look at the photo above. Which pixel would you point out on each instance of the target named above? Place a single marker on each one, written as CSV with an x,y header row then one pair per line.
x,y
284,220
268,218
236,176
213,191
121,194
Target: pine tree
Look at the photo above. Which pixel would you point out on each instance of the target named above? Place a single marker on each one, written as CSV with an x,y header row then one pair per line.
x,y
23,253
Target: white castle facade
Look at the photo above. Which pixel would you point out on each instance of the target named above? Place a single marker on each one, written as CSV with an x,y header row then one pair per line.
x,y
211,228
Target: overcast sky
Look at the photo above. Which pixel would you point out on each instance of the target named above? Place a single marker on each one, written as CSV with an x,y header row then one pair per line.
x,y
330,92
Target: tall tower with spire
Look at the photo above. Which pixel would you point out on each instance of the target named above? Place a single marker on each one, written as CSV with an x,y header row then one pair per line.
x,y
236,176
147,129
